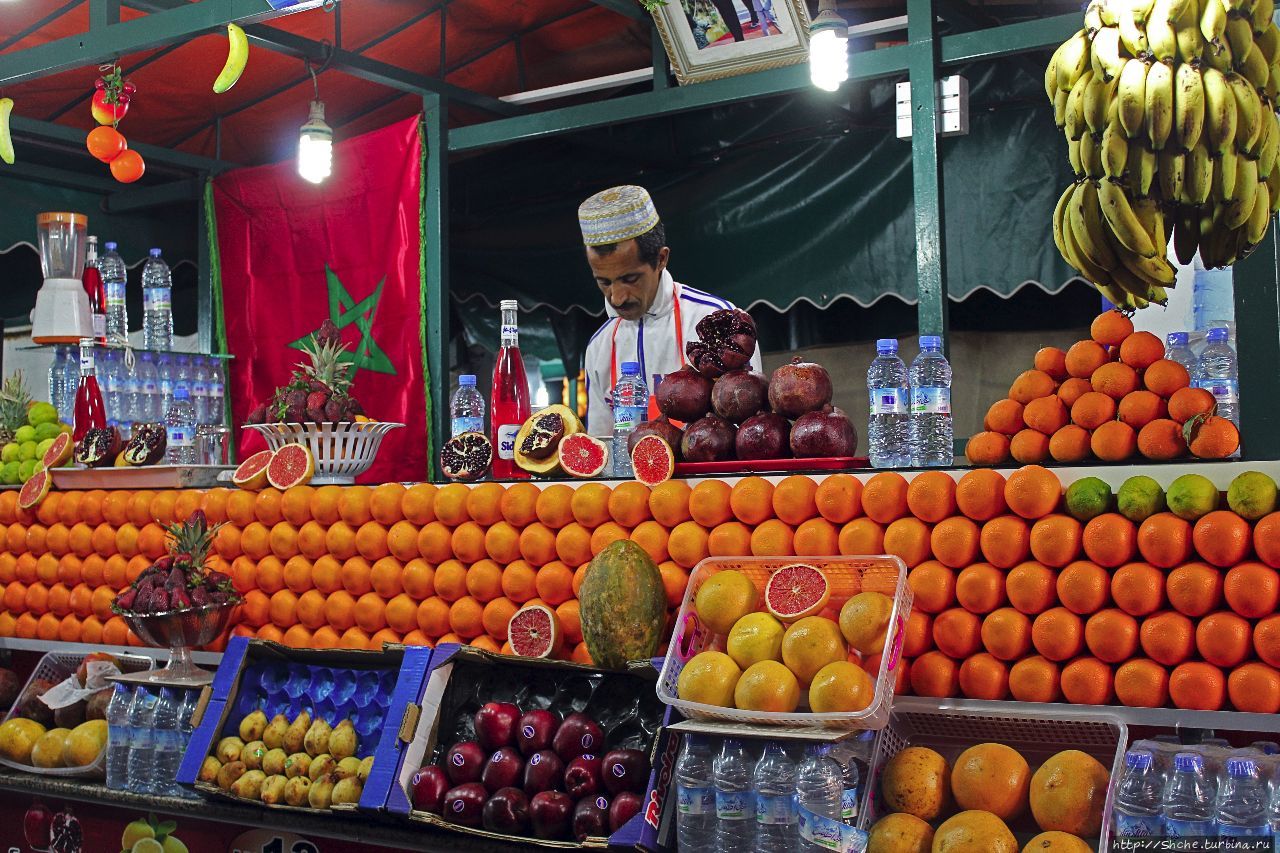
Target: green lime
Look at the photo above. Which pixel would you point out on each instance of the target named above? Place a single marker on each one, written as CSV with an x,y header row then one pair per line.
x,y
42,413
42,447
1139,498
174,845
9,453
135,832
23,433
9,473
27,450
48,430
26,468
1088,498
1192,496
1252,495
147,845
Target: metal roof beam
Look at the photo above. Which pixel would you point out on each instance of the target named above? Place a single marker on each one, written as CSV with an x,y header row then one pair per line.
x,y
31,128
626,8
60,177
127,201
40,24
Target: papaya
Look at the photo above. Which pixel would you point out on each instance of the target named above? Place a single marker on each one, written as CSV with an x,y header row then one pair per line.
x,y
622,606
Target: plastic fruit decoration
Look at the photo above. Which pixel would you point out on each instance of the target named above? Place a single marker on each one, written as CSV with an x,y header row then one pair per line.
x,y
6,141
105,143
237,58
128,167
111,97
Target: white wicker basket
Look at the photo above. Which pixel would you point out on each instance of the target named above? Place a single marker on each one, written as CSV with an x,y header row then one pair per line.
x,y
343,451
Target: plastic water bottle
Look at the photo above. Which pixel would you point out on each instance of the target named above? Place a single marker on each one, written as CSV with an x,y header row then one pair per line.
x,y
695,795
1212,297
147,402
773,784
217,391
1242,800
168,741
1177,349
114,277
1186,803
887,428
164,376
466,409
200,389
1266,747
630,406
930,425
157,304
57,381
190,699
142,746
818,793
1137,799
118,737
731,774
180,429
844,754
113,389
1216,372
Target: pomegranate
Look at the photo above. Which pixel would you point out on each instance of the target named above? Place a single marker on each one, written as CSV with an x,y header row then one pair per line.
x,y
799,387
684,395
827,432
727,342
739,394
763,436
709,439
661,427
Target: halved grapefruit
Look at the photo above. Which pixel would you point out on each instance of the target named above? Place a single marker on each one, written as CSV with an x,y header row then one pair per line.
x,y
796,591
582,455
653,460
59,453
252,473
34,490
534,632
292,465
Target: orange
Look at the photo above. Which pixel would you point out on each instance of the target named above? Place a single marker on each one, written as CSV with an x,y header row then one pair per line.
x,y
1073,389
466,618
90,630
139,509
1057,634
884,497
255,611
80,538
353,506
1032,491
954,541
269,575
484,581
1045,414
1195,589
606,534
579,576
57,539
731,539
980,495
1083,587
467,542
1084,357
69,570
1070,444
934,586
987,448
581,654
554,583
417,638
283,609
1223,639
103,539
1164,540
100,602
126,540
555,505
1162,440
92,570
384,503
450,505
1005,541
1222,538
674,581
502,542
283,540
710,503
484,503
115,507
115,573
1031,587
752,500
1167,638
776,539
1111,635
669,503
907,538
931,496
629,504
26,625
1092,409
957,633
1138,589
24,569
1116,380
371,612
297,574
1252,590
984,677
48,627
59,600
240,507
1034,679
590,504
935,674
354,638
1055,540
1142,683
310,609
519,504
435,542
433,617
1266,639
1266,539
687,544
1114,441
1029,447
817,537
1052,361
114,631
402,541
1110,328
8,507
1141,350
862,536
1031,384
795,499
1109,540
402,613
418,579
326,574
1165,377
417,504
495,616
1197,686
519,582
838,498
1254,687
1087,681
1186,403
371,541
295,504
356,575
1139,408
185,504
385,577
1006,634
267,507
980,588
325,637
917,634
136,566
226,542
47,568
537,544
255,541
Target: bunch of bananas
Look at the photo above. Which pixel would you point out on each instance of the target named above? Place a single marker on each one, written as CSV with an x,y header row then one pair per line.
x,y
1168,107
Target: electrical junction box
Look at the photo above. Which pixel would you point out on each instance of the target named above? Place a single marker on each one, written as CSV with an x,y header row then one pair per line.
x,y
952,107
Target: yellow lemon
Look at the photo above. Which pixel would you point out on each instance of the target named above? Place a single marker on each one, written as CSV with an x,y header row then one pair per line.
x,y
811,644
864,620
755,637
17,737
900,833
767,686
47,751
84,743
841,686
724,599
709,678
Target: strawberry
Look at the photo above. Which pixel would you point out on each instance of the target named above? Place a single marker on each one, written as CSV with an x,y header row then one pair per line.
x,y
178,599
159,601
125,600
199,597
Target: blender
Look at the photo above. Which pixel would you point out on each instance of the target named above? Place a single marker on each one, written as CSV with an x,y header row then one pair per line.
x,y
61,315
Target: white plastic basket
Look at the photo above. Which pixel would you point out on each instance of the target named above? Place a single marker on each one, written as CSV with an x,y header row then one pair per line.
x,y
1036,735
57,667
342,451
847,576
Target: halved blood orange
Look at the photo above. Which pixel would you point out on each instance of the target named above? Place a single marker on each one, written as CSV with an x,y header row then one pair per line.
x,y
292,465
534,632
252,473
653,460
34,490
796,591
59,452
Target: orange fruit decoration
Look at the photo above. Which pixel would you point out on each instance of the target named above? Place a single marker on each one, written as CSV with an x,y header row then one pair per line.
x,y
1109,539
1031,587
1139,408
987,448
1070,444
1142,683
1058,634
1222,538
1031,384
838,498
884,497
1083,587
1073,389
1035,679
1052,361
954,541
983,676
1223,639
980,588
1032,491
794,499
1029,447
127,166
1111,635
1055,540
934,587
1092,409
1114,441
1165,377
1084,357
1004,416
1254,687
1186,403
1045,414
934,674
931,496
1114,379
1141,350
980,495
1138,589
1197,686
957,633
752,500
1110,328
1167,638
1252,590
1194,590
1005,541
1006,634
1214,438
1088,681
1266,539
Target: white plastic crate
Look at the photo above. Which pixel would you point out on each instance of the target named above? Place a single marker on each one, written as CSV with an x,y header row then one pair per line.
x,y
847,576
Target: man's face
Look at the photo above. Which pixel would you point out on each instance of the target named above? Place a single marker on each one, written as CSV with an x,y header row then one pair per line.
x,y
628,283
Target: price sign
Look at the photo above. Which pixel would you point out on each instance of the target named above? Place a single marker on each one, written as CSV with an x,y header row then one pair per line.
x,y
271,841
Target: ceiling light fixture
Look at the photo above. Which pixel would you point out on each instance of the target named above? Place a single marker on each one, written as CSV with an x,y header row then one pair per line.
x,y
315,140
828,48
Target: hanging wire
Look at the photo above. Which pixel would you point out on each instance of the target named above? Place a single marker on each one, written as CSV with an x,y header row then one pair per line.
x,y
329,53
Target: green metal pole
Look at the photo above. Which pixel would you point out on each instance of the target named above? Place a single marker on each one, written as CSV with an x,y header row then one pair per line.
x,y
926,176
1257,301
435,250
204,276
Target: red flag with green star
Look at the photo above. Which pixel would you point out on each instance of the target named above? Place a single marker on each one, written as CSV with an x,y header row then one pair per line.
x,y
293,254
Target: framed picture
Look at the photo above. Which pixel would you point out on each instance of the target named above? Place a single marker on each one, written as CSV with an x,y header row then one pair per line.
x,y
711,39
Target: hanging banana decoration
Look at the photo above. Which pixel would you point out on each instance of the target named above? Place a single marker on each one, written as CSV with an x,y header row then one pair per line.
x,y
6,139
1169,109
237,58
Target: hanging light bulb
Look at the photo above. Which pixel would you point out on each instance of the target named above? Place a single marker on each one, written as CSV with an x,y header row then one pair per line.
x,y
315,146
828,48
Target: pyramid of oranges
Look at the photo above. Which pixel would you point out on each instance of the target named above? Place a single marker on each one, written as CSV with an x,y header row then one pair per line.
x,y
1108,398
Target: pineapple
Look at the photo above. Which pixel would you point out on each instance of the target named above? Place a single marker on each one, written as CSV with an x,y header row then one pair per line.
x,y
14,400
319,391
179,579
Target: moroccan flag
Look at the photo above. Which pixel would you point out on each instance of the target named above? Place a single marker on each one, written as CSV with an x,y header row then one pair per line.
x,y
293,254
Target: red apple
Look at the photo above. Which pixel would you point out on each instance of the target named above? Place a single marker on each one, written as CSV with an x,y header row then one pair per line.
x,y
625,770
624,807
543,772
503,769
429,787
551,813
576,735
464,763
591,817
465,804
582,777
535,730
496,725
507,811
